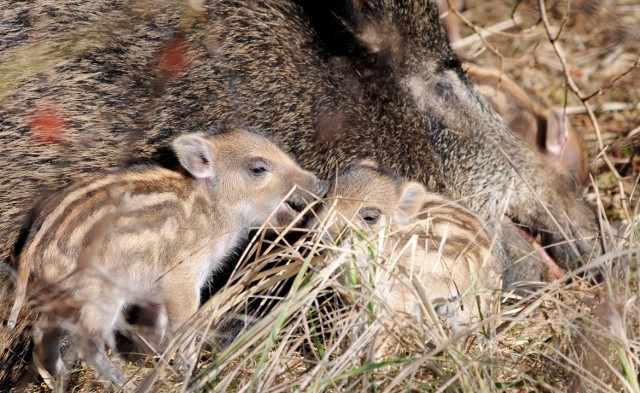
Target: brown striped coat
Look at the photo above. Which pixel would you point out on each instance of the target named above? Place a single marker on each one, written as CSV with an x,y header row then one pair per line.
x,y
435,249
451,253
150,236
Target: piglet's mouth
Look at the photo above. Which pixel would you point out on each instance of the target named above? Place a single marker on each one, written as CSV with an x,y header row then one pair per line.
x,y
294,206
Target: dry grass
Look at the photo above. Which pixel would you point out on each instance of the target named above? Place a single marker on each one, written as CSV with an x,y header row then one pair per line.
x,y
320,336
570,335
567,336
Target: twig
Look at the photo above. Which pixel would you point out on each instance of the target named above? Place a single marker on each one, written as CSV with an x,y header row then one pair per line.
x,y
584,99
477,31
487,32
607,107
616,79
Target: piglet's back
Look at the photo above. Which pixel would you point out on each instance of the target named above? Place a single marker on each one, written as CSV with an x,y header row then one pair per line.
x,y
130,212
455,229
454,254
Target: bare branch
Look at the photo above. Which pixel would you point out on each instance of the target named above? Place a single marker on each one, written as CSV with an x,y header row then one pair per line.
x,y
584,99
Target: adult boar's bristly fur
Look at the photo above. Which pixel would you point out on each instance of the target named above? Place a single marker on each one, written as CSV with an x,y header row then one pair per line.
x,y
102,93
117,80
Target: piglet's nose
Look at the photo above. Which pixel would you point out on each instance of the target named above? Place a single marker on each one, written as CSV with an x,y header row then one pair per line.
x,y
322,187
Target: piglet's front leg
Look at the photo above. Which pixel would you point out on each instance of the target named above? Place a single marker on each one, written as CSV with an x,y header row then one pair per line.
x,y
182,297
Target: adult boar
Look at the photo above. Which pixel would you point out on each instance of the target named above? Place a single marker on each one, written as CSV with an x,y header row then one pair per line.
x,y
87,86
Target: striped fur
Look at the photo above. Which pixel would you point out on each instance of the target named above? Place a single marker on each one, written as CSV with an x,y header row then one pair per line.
x,y
149,235
453,259
435,247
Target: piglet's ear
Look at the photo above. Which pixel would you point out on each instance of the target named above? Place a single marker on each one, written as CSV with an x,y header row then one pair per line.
x,y
410,203
196,155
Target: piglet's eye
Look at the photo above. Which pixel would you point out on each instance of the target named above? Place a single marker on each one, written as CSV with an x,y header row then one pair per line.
x,y
258,166
370,216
